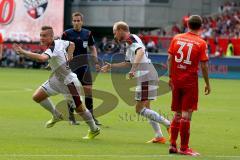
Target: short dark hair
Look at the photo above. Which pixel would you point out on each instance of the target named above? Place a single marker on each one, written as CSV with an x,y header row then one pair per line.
x,y
44,28
77,14
195,22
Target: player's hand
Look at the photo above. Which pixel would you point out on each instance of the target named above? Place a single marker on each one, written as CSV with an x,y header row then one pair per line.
x,y
131,75
207,89
106,67
17,48
47,67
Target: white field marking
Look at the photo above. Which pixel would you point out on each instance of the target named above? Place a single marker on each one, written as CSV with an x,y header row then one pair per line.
x,y
17,90
109,155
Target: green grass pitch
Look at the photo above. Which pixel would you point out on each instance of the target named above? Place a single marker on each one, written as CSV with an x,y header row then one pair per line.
x,y
215,127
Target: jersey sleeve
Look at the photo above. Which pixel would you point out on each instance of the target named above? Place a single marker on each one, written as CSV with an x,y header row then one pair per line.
x,y
65,44
64,36
171,47
91,40
135,47
49,53
204,52
1,38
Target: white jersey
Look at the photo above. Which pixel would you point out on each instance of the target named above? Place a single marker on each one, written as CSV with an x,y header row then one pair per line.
x,y
133,44
145,70
58,61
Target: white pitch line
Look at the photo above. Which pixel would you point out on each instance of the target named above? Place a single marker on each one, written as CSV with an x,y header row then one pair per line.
x,y
17,90
109,155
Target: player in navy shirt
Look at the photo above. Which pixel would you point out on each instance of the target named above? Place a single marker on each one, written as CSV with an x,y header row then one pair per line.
x,y
83,40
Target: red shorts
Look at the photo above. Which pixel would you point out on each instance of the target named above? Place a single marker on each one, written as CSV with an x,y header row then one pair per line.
x,y
185,98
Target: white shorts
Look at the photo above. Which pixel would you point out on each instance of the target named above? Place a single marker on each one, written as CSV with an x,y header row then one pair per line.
x,y
71,91
146,90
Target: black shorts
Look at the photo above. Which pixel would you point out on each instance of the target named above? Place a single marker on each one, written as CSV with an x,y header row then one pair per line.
x,y
80,66
84,75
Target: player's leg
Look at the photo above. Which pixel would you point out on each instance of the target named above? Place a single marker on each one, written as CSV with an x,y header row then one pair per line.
x,y
82,110
42,97
159,138
189,104
174,130
185,134
89,101
176,107
86,82
143,97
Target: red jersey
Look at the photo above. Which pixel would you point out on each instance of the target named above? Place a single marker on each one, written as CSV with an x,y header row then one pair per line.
x,y
1,39
187,50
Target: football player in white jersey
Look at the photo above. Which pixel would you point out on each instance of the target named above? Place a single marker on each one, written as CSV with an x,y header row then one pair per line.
x,y
62,80
146,75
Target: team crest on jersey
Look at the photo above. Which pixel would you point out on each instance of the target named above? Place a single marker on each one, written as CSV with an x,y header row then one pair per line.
x,y
85,44
35,8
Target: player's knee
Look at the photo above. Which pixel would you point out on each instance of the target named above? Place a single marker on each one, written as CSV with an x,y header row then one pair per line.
x,y
187,117
36,98
137,110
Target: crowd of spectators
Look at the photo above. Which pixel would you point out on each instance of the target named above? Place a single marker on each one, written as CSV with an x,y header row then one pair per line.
x,y
224,24
11,59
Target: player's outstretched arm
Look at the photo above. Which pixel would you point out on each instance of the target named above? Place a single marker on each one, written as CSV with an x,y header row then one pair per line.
x,y
204,67
70,51
29,54
107,67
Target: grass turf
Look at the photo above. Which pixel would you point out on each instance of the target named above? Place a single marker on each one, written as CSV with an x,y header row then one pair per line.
x,y
214,129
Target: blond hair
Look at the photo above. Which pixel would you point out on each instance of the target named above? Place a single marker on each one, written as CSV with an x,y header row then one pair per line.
x,y
121,25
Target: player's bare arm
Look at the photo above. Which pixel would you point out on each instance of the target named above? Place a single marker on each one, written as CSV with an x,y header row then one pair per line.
x,y
29,54
137,60
70,51
107,67
204,67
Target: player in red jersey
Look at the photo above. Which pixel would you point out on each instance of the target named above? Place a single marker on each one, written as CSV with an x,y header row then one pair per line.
x,y
185,52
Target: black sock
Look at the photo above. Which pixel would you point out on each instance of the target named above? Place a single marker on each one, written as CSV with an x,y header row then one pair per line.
x,y
89,104
71,113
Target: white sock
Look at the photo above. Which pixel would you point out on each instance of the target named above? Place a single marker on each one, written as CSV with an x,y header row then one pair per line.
x,y
152,115
156,128
49,106
87,117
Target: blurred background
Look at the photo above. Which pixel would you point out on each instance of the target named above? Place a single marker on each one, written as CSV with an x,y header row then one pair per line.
x,y
155,21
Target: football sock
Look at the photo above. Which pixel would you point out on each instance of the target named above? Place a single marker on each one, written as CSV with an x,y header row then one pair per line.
x,y
71,113
87,117
184,133
89,103
156,128
49,106
152,115
175,125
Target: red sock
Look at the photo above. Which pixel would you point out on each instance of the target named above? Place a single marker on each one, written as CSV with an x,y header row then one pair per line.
x,y
175,125
184,133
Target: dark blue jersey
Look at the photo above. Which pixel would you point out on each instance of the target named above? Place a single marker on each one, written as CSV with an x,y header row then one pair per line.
x,y
82,40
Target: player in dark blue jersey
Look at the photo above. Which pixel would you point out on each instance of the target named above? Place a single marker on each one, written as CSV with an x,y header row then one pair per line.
x,y
83,40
